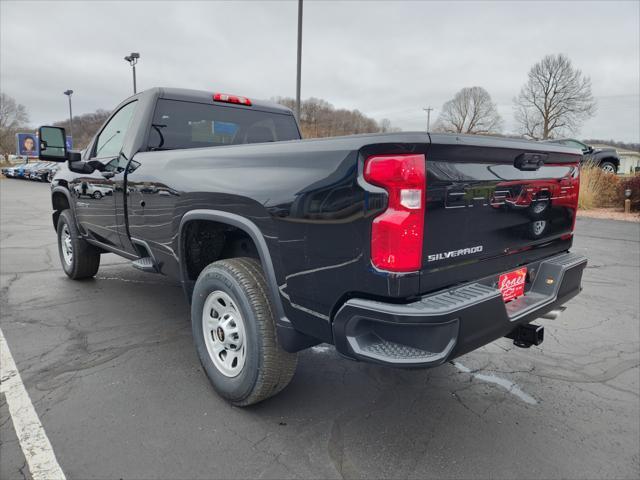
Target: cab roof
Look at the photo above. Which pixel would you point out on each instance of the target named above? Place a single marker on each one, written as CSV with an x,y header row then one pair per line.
x,y
206,96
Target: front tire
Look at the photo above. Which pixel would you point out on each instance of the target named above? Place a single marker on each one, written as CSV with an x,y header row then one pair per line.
x,y
79,258
234,331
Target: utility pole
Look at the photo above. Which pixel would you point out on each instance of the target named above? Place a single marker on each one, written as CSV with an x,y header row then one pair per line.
x,y
133,59
428,110
299,67
68,93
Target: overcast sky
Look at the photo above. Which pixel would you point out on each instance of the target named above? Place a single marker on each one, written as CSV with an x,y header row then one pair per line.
x,y
385,58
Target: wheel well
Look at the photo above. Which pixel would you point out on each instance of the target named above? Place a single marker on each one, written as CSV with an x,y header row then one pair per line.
x,y
614,160
60,202
205,241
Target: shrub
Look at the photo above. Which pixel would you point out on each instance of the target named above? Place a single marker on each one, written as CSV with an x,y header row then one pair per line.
x,y
597,188
609,194
632,183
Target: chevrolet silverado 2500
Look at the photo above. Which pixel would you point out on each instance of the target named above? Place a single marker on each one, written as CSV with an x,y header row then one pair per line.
x,y
402,249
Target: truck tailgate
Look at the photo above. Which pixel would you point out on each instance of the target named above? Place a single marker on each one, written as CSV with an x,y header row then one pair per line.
x,y
493,204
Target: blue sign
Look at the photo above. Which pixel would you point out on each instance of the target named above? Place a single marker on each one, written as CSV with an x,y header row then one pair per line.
x,y
27,145
69,143
224,128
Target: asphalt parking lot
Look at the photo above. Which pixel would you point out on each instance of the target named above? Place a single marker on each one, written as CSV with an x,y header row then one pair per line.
x,y
113,376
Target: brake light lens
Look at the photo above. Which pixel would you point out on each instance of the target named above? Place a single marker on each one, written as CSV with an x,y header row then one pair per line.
x,y
225,97
397,234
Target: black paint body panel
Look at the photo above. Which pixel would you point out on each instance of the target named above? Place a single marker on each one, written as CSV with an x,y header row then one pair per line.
x,y
309,202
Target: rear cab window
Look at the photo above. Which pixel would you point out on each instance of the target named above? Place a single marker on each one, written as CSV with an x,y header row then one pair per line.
x,y
181,124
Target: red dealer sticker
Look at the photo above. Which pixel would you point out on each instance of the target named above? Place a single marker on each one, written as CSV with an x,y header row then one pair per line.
x,y
512,284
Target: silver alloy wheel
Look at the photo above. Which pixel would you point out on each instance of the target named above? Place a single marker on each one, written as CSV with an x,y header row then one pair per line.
x,y
608,168
539,226
224,333
67,245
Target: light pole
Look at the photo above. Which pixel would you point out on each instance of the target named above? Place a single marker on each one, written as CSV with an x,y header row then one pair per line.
x,y
133,59
68,93
428,110
299,67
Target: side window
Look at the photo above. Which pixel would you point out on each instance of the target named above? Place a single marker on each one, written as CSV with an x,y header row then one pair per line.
x,y
112,137
576,144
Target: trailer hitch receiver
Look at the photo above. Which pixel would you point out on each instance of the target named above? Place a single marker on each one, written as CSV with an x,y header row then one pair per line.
x,y
526,335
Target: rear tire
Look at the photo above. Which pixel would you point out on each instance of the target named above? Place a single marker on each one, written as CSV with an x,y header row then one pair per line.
x,y
609,167
79,258
234,331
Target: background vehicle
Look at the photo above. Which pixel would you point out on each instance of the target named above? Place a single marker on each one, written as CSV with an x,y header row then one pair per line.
x,y
384,245
20,169
31,167
12,172
44,172
605,158
92,190
39,171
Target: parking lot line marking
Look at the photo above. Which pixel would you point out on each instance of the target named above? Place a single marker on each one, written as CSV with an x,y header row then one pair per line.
x,y
508,385
35,445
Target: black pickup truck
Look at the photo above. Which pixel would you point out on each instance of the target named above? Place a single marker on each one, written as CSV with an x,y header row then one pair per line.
x,y
402,249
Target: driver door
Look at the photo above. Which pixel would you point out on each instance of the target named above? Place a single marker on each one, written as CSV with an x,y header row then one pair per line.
x,y
95,193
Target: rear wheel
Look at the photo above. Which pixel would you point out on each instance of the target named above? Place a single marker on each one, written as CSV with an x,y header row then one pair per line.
x,y
609,167
79,258
234,330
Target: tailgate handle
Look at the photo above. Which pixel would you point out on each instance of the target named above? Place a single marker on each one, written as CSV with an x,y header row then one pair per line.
x,y
530,161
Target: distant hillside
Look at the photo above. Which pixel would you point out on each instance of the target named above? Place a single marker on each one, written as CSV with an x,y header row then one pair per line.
x,y
84,127
319,118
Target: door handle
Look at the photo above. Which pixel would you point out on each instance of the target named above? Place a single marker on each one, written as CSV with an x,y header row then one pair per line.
x,y
108,174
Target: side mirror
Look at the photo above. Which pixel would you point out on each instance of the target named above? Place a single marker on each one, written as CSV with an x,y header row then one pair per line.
x,y
53,145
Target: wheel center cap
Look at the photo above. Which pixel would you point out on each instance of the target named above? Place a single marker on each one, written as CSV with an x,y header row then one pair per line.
x,y
220,334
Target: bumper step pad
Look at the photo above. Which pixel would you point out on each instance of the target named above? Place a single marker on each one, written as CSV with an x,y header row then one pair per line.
x,y
450,323
145,264
377,347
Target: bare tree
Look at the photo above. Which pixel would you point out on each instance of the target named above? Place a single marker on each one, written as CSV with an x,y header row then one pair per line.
x,y
13,118
555,100
471,110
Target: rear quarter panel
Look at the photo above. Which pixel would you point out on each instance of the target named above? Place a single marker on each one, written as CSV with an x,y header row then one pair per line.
x,y
307,199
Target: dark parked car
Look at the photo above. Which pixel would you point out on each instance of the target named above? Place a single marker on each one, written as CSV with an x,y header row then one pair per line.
x,y
605,158
384,245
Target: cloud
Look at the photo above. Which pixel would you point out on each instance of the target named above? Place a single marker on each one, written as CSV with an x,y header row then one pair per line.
x,y
387,59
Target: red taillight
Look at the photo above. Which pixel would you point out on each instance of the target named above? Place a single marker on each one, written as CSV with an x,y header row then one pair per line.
x,y
397,234
224,97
